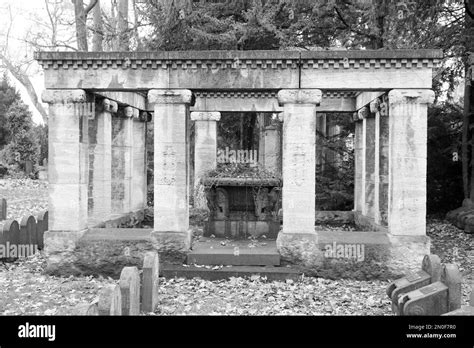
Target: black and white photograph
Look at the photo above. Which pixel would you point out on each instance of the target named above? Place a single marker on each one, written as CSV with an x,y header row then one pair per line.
x,y
253,171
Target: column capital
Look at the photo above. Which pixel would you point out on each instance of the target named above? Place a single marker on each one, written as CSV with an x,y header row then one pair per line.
x,y
420,96
63,96
364,112
299,96
170,96
205,116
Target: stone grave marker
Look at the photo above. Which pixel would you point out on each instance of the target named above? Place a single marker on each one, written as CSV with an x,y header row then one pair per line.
x,y
130,289
435,299
453,280
430,272
3,209
465,310
150,281
11,231
28,230
28,167
41,227
110,300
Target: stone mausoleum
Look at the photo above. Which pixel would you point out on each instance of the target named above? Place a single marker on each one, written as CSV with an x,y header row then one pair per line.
x,y
101,102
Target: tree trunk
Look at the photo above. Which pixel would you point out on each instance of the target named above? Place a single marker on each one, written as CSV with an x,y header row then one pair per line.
x,y
122,26
98,36
81,28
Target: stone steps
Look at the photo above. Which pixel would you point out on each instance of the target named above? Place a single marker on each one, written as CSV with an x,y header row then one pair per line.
x,y
214,251
189,272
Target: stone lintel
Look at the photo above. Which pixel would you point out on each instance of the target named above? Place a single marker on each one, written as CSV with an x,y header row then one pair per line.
x,y
299,96
205,116
421,96
109,106
63,96
137,100
170,96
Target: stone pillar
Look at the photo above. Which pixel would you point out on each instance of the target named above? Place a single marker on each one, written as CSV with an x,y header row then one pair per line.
x,y
139,168
370,150
298,240
171,225
407,167
383,159
100,163
68,170
271,148
205,143
359,155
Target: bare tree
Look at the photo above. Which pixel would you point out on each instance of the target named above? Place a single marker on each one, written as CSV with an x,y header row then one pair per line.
x,y
81,13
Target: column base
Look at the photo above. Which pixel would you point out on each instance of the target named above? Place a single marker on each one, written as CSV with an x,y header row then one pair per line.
x,y
172,245
59,248
407,252
300,248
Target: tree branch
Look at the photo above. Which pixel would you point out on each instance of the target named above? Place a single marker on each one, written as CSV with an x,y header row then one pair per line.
x,y
89,7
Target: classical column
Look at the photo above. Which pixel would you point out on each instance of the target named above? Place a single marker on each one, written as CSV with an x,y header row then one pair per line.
x,y
370,154
100,162
171,200
359,155
272,148
139,170
298,239
407,156
205,142
68,168
383,158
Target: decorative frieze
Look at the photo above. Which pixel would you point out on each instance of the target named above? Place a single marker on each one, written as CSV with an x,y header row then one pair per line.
x,y
170,96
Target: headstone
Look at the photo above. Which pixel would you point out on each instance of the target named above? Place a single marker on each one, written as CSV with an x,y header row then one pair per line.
x,y
3,209
150,281
28,231
10,232
41,227
435,299
453,280
110,300
430,272
130,289
28,167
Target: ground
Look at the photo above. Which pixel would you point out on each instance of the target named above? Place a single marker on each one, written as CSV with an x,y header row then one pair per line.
x,y
25,290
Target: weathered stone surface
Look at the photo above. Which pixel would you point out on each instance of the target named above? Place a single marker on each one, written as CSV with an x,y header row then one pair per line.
x,y
63,96
452,278
407,253
170,96
334,217
299,96
172,245
150,282
41,227
130,291
28,230
205,146
300,248
408,139
59,248
110,300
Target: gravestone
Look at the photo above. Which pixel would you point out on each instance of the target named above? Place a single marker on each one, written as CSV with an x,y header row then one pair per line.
x,y
150,281
435,299
430,272
41,227
130,290
28,231
453,280
110,300
9,236
3,209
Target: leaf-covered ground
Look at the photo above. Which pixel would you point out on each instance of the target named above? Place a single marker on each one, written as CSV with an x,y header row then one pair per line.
x,y
25,290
